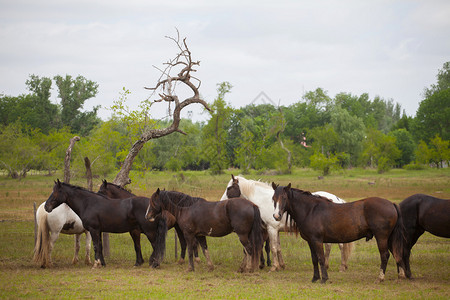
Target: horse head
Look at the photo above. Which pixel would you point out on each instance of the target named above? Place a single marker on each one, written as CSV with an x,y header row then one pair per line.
x,y
280,198
57,197
233,190
154,207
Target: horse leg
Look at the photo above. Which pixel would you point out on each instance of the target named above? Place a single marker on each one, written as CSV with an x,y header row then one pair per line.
x,y
77,248
267,248
384,256
246,265
315,261
98,248
136,236
346,249
318,258
327,254
190,246
273,237
280,256
182,244
202,241
53,237
87,259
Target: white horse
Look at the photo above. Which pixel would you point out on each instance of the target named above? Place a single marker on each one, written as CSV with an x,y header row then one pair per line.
x,y
61,220
261,193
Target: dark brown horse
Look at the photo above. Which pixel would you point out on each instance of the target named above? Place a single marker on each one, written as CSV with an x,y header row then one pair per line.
x,y
101,214
321,221
423,213
199,218
115,191
233,191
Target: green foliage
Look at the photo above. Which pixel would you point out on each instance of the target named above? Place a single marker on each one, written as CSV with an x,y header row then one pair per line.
x,y
405,143
379,150
215,134
18,149
433,116
323,163
73,93
350,130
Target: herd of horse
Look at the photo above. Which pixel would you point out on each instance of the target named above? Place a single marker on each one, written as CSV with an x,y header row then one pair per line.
x,y
254,210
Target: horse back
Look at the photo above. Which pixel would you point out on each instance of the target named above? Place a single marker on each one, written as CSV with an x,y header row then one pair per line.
x,y
433,214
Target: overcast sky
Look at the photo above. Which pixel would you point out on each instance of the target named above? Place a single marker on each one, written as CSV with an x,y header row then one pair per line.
x,y
392,49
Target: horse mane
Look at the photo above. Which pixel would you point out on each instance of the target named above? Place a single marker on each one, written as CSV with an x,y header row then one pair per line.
x,y
76,187
179,199
308,193
118,186
247,186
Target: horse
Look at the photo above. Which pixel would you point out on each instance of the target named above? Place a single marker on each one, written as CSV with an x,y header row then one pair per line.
x,y
423,213
115,191
50,225
319,220
199,218
261,194
101,214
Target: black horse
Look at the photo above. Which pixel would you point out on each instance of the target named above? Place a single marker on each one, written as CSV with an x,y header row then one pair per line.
x,y
115,191
199,218
423,213
101,214
233,191
319,221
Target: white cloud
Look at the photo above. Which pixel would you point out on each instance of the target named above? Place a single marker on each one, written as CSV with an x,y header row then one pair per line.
x,y
388,48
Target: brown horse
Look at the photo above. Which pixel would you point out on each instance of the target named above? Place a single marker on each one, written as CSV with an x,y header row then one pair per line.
x,y
115,191
321,221
423,213
199,218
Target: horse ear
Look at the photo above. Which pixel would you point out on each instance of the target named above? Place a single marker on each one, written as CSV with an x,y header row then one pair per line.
x,y
232,177
288,187
157,192
274,186
58,182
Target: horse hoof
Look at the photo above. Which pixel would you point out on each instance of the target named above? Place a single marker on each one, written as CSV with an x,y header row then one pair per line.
x,y
197,260
181,261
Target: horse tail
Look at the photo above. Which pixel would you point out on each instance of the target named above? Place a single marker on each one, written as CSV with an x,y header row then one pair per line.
x,y
42,246
397,242
160,242
256,237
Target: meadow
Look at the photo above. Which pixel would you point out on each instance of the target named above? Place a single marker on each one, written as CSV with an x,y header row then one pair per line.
x,y
21,278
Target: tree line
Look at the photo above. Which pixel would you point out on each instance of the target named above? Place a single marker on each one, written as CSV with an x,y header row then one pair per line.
x,y
322,132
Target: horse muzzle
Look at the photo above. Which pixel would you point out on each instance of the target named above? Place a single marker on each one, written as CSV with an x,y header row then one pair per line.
x,y
48,208
277,217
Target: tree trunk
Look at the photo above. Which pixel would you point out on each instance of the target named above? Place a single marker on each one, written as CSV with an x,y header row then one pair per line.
x,y
87,164
67,158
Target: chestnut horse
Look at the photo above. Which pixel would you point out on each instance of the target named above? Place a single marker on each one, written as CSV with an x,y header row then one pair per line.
x,y
321,221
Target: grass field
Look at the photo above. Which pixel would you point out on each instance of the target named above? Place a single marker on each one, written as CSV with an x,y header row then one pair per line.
x,y
21,278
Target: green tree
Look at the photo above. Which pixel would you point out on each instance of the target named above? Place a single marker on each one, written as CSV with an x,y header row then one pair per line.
x,y
324,163
215,134
380,150
433,116
350,130
42,113
18,149
73,94
439,151
405,143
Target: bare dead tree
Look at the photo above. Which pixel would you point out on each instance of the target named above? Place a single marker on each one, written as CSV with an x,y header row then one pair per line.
x,y
67,158
167,84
